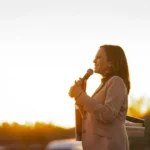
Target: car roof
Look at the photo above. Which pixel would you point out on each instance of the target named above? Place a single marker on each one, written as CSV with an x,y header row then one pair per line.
x,y
64,143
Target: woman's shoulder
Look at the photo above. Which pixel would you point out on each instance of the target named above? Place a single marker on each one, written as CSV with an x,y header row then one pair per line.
x,y
117,83
115,77
116,80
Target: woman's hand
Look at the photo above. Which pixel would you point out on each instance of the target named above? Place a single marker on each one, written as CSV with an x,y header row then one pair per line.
x,y
81,83
75,91
78,87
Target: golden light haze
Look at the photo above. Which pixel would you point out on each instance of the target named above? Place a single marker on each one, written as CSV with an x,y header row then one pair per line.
x,y
46,45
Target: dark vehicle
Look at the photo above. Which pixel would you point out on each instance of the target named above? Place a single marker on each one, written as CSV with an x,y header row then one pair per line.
x,y
137,130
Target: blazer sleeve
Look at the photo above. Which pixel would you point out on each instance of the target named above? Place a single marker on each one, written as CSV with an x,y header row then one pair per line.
x,y
115,95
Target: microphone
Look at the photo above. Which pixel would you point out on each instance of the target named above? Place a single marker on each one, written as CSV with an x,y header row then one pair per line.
x,y
79,112
88,74
84,79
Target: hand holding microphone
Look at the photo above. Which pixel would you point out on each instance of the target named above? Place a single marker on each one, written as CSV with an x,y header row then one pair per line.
x,y
80,85
82,81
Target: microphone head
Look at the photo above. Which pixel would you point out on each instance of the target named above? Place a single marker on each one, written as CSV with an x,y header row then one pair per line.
x,y
88,74
90,71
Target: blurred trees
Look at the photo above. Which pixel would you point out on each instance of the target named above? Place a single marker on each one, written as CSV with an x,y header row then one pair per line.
x,y
43,133
27,134
139,107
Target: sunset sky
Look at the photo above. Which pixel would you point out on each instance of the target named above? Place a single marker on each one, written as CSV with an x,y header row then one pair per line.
x,y
47,44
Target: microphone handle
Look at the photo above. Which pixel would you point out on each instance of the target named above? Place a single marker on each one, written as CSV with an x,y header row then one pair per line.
x,y
83,85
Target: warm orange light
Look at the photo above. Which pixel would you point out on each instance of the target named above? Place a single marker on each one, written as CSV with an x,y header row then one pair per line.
x,y
139,107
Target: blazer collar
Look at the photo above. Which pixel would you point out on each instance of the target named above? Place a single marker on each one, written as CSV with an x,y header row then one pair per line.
x,y
103,82
98,89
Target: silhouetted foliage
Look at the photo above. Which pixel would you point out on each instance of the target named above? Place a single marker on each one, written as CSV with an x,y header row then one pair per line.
x,y
139,107
27,134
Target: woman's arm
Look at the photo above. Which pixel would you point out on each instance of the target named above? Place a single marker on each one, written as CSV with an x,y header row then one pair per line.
x,y
116,94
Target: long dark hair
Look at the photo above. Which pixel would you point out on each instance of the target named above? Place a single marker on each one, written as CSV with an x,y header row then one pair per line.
x,y
118,63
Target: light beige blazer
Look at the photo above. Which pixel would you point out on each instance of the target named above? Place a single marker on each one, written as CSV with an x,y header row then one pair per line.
x,y
104,118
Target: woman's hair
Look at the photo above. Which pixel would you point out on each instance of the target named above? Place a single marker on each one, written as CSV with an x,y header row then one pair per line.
x,y
118,63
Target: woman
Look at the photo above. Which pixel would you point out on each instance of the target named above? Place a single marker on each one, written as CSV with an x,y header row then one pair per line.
x,y
103,126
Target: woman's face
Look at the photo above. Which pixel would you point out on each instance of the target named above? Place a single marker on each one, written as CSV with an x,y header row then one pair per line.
x,y
100,62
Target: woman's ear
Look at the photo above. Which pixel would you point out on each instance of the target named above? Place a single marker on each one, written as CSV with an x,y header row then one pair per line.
x,y
111,67
110,64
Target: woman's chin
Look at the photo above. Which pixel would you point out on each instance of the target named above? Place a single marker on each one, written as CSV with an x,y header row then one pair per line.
x,y
95,70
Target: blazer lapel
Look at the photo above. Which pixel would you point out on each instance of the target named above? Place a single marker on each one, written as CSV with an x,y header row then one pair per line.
x,y
97,90
101,85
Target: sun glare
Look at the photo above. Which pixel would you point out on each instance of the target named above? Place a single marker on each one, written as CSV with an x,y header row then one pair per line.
x,y
45,46
139,107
